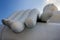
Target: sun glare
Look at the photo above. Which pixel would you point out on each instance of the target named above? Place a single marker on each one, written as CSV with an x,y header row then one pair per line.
x,y
56,2
48,0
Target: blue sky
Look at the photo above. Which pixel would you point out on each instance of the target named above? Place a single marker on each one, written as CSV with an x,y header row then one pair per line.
x,y
7,7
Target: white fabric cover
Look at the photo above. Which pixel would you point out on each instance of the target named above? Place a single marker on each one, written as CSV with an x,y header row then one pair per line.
x,y
48,11
32,18
17,24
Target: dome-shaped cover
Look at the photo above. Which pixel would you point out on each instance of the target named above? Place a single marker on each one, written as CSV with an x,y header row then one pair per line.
x,y
48,12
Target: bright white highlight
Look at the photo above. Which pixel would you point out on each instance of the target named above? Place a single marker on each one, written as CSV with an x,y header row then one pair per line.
x,y
56,2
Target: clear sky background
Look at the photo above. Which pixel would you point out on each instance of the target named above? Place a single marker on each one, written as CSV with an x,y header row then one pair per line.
x,y
7,7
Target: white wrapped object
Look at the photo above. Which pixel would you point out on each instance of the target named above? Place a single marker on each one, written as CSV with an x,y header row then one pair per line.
x,y
24,16
14,15
17,24
48,12
32,18
19,15
13,23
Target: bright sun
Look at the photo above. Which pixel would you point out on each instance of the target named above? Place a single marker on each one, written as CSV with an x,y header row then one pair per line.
x,y
55,2
48,0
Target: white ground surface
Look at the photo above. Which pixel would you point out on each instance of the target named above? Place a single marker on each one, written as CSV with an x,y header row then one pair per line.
x,y
42,31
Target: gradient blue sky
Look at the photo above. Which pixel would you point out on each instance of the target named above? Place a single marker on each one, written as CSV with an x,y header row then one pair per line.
x,y
7,7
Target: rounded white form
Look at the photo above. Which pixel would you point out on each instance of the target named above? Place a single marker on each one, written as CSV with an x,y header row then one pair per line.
x,y
16,26
29,23
48,12
32,18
